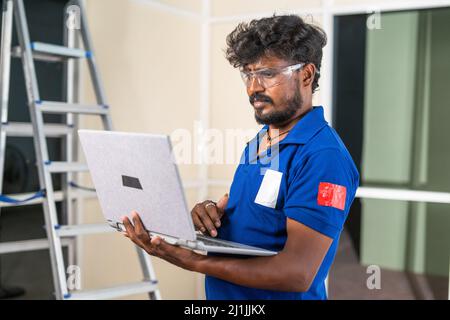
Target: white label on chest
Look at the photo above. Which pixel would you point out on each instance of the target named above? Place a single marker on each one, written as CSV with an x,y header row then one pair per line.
x,y
269,188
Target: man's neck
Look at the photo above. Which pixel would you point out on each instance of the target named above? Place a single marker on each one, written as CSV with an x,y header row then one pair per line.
x,y
276,129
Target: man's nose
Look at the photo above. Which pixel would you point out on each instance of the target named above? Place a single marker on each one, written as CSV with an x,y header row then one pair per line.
x,y
254,86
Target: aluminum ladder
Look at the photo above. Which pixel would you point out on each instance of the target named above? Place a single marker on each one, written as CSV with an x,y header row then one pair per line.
x,y
58,235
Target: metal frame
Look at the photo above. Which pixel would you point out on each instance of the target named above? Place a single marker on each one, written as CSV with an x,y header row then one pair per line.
x,y
40,145
5,67
71,81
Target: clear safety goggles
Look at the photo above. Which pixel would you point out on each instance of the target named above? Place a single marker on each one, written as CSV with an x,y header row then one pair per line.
x,y
270,77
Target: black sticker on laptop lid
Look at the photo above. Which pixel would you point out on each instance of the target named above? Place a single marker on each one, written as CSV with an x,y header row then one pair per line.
x,y
131,182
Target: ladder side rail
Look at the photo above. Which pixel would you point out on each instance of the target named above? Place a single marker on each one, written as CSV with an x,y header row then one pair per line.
x,y
5,71
94,71
70,96
148,272
45,179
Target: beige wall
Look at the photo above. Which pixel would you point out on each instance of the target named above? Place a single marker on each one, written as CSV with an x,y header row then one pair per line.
x,y
239,7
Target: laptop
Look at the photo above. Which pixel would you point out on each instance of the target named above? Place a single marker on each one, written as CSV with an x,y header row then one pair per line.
x,y
136,171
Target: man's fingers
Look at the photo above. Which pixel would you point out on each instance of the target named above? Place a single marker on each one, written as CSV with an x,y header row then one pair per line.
x,y
222,204
128,227
127,224
161,247
206,215
213,213
197,222
206,220
139,228
138,225
156,241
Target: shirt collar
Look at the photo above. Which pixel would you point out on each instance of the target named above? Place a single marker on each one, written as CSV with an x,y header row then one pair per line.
x,y
305,128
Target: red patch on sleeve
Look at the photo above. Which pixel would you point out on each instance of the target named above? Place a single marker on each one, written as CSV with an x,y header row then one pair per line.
x,y
331,195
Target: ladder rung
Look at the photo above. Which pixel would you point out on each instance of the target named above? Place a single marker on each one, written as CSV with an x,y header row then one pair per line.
x,y
27,245
62,167
16,52
62,107
83,229
23,129
57,195
60,51
114,292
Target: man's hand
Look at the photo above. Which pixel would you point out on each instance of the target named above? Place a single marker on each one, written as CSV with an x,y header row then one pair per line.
x,y
207,214
156,246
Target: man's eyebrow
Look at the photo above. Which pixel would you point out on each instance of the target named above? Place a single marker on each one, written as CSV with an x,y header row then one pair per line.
x,y
246,68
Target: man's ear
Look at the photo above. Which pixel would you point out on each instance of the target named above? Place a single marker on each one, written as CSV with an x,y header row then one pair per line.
x,y
307,75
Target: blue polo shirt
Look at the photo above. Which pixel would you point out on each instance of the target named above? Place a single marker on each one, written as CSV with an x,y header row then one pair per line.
x,y
309,177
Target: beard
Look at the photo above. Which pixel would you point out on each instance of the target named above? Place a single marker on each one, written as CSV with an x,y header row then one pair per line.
x,y
278,116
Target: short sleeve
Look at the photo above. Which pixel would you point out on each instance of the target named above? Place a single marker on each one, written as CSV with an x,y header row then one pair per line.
x,y
320,192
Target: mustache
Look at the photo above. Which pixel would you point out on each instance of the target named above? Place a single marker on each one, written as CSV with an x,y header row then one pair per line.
x,y
259,97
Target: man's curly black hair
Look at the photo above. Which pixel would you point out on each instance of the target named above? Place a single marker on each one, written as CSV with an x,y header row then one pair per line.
x,y
286,37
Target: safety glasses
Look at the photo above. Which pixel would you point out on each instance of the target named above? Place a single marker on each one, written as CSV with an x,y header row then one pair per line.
x,y
270,77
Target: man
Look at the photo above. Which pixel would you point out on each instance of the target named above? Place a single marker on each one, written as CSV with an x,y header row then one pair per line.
x,y
296,208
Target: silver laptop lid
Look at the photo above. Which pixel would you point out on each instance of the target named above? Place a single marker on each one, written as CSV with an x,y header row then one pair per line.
x,y
133,171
